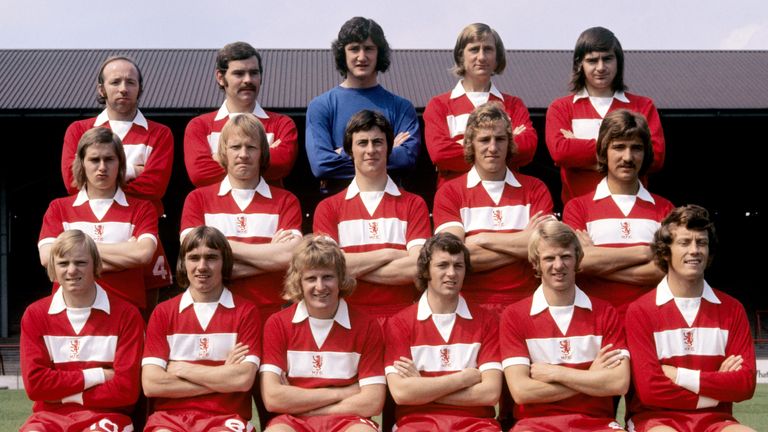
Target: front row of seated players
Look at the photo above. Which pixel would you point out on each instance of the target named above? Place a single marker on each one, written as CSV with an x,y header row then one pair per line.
x,y
563,352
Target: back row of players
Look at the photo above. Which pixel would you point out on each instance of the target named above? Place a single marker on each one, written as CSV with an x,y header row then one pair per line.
x,y
380,227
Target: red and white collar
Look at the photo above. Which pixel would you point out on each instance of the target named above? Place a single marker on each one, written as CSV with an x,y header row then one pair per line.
x,y
225,299
262,188
473,178
664,293
424,311
139,119
459,91
583,93
602,191
223,112
341,316
58,304
539,302
353,189
82,197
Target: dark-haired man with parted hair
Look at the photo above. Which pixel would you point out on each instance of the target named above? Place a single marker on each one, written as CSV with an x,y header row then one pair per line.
x,y
379,227
573,121
361,51
692,350
442,355
240,73
616,221
203,346
148,148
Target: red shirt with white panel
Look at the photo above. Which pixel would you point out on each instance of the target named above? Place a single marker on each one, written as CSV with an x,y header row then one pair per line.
x,y
445,120
577,157
64,351
441,344
203,333
616,221
570,336
145,143
250,216
694,335
201,142
112,220
502,207
322,353
367,221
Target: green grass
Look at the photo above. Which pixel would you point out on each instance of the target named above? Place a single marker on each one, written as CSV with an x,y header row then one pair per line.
x,y
15,407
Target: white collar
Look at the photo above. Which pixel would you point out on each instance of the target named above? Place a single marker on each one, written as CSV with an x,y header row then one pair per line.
x,y
473,178
101,301
258,111
82,197
459,91
341,316
139,119
262,188
539,302
353,189
583,93
225,299
664,293
602,191
424,311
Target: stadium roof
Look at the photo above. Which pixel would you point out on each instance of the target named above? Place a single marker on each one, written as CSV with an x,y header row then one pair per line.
x,y
181,80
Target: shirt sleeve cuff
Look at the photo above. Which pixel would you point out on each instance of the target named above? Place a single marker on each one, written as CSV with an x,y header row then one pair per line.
x,y
448,225
93,377
415,242
75,398
271,368
688,379
148,236
390,370
490,366
154,361
514,361
705,402
253,359
625,353
373,380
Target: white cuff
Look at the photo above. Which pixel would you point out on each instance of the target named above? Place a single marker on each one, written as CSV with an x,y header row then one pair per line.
x,y
379,379
625,353
271,368
514,361
490,366
705,402
688,379
415,242
390,370
75,398
154,361
148,236
93,377
253,359
448,225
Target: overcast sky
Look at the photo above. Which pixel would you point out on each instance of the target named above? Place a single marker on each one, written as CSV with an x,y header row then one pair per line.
x,y
522,24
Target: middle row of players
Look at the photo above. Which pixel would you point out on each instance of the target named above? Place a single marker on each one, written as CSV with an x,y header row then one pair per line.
x,y
380,227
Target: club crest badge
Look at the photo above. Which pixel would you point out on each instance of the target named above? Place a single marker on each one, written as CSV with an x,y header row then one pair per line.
x,y
445,357
626,230
317,364
688,340
74,349
498,218
373,230
98,232
241,224
565,349
203,347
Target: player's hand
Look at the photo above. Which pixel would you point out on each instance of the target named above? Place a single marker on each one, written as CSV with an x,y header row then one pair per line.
x,y
284,379
401,138
138,169
568,134
350,390
731,364
670,372
538,218
545,372
237,355
518,130
283,236
176,367
274,144
406,368
607,358
471,376
108,374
